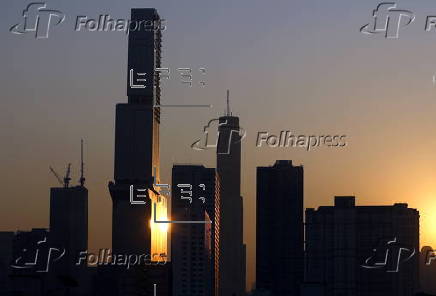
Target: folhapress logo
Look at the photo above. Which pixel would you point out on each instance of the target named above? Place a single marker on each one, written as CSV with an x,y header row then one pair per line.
x,y
389,256
223,141
38,258
37,18
388,20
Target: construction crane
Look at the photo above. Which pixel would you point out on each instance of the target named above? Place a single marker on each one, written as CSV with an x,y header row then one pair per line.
x,y
66,181
57,176
82,176
67,177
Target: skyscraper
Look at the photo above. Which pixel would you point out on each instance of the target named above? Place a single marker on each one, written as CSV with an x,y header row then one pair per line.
x,y
231,281
137,145
69,228
363,250
136,169
279,229
192,245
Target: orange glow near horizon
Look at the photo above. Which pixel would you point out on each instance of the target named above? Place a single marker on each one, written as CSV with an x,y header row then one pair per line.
x,y
428,223
159,231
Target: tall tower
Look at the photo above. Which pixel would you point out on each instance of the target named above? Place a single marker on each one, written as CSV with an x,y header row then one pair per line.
x,y
137,143
193,245
69,227
279,228
69,219
231,279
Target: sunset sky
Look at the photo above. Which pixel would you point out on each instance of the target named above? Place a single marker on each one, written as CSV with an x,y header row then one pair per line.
x,y
300,65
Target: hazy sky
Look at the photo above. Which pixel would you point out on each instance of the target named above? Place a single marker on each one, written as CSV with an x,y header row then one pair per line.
x,y
301,66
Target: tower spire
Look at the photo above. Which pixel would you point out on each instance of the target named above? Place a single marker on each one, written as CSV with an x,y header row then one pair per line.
x,y
228,113
82,177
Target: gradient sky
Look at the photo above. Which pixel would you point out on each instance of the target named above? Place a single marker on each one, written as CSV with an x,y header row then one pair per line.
x,y
300,65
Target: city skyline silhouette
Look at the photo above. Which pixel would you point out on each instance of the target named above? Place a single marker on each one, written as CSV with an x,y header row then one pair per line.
x,y
388,157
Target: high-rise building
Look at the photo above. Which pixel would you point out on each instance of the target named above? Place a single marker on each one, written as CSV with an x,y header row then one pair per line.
x,y
69,220
69,231
363,250
279,229
6,240
209,246
137,145
192,244
231,281
216,242
135,197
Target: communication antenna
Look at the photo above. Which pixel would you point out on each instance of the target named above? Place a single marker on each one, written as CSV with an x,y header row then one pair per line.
x,y
82,177
228,113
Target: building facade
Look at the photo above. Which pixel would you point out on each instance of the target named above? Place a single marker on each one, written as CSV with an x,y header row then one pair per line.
x,y
6,243
136,198
192,244
363,250
137,143
279,229
69,231
231,278
69,221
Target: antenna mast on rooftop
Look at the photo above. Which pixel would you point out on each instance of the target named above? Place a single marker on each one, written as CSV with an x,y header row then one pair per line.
x,y
82,165
228,113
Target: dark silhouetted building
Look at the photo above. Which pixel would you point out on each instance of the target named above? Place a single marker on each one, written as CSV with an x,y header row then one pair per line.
x,y
231,277
69,231
216,227
42,267
192,244
279,229
136,169
312,289
69,220
427,270
363,250
209,246
6,243
30,255
137,140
